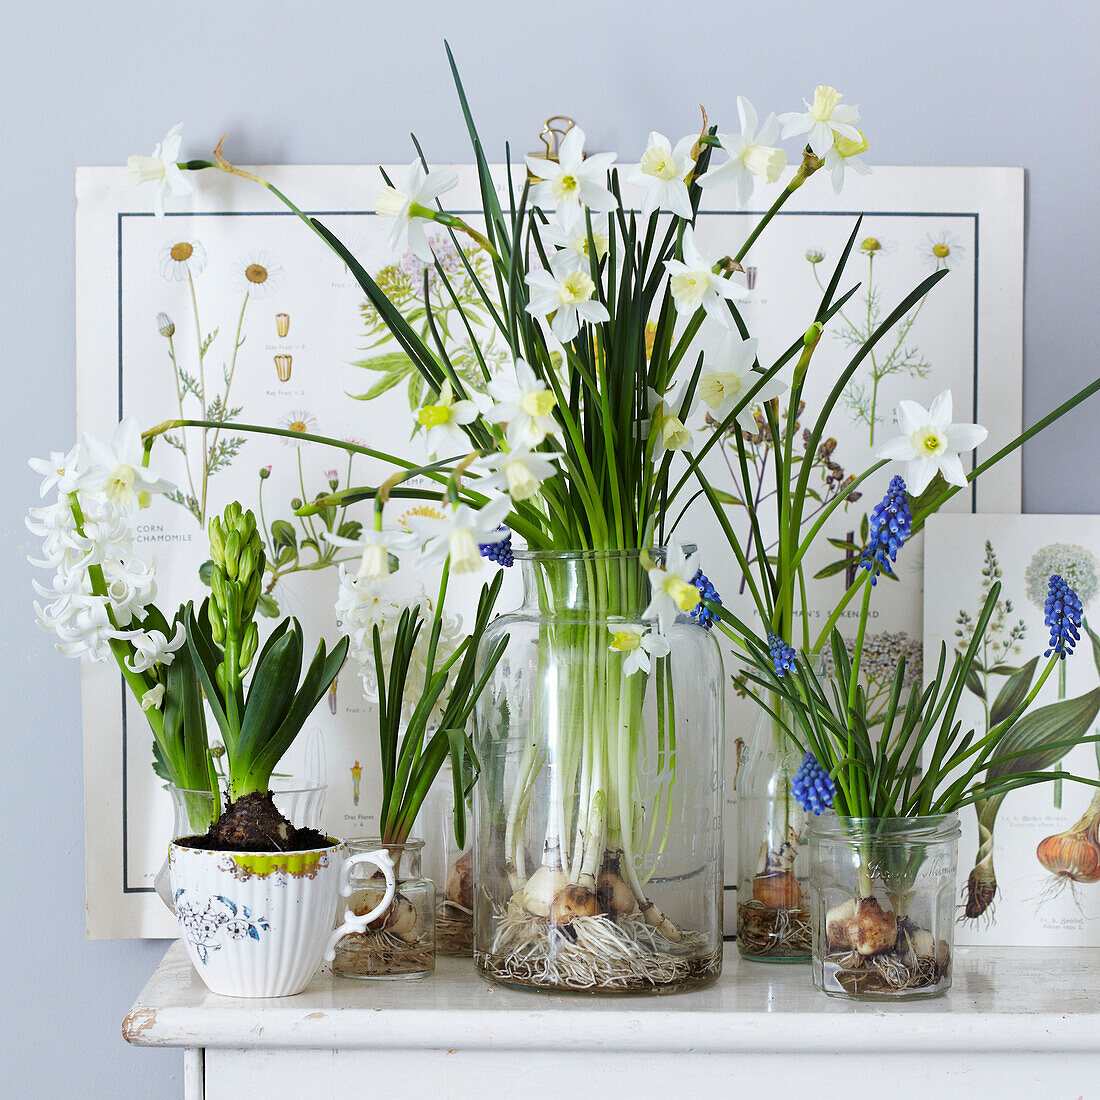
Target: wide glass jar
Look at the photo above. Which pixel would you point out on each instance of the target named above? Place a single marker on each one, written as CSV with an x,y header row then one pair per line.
x,y
450,866
400,943
598,812
882,904
773,916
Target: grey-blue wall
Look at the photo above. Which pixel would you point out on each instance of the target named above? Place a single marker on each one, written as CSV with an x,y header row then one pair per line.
x,y
943,82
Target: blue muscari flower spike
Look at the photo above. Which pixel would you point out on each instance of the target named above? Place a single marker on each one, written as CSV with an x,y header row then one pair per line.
x,y
812,787
701,613
782,654
499,552
891,524
1063,616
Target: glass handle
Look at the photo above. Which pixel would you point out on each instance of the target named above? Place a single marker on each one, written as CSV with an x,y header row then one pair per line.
x,y
381,859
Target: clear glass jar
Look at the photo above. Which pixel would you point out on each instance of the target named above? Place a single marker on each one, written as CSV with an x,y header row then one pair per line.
x,y
773,916
300,802
882,903
598,812
401,942
450,867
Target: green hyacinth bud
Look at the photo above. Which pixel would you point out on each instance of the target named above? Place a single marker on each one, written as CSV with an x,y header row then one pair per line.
x,y
232,553
217,625
248,647
218,585
217,539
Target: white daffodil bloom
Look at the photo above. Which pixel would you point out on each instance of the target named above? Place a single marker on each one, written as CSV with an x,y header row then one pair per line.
x,y
573,180
58,471
823,121
153,648
153,698
844,154
569,234
728,375
694,283
376,547
666,423
930,442
752,153
565,295
520,472
461,533
162,169
115,469
443,420
662,174
524,404
637,645
671,590
411,207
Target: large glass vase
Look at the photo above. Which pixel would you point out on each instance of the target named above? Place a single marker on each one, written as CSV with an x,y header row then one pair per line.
x,y
598,813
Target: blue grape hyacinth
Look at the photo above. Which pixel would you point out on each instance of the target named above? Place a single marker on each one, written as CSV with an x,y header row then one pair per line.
x,y
498,552
1063,617
891,524
782,654
701,613
812,787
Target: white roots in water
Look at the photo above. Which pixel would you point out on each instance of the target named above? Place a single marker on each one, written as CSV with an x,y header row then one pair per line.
x,y
592,952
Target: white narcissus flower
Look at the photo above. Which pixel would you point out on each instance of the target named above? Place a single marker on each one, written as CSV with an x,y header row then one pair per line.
x,y
376,547
637,645
566,296
844,154
728,376
411,207
930,442
520,472
666,423
461,532
153,698
58,471
569,234
823,121
444,419
751,153
671,588
574,180
115,469
662,173
162,169
694,283
152,648
524,404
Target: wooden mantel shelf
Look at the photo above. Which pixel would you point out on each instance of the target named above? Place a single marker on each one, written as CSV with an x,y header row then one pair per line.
x,y
1015,1019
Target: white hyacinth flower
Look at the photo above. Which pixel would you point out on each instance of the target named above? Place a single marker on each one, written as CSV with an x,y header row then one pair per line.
x,y
519,472
574,180
930,443
823,121
153,698
671,590
565,295
461,532
162,169
444,419
115,469
728,375
637,645
152,648
524,404
411,207
752,153
694,283
662,174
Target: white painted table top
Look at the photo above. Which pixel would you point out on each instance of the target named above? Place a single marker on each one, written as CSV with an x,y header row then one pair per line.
x,y
1003,999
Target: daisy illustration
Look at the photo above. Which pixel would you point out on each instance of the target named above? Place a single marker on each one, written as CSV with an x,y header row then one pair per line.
x,y
942,250
180,259
297,420
259,275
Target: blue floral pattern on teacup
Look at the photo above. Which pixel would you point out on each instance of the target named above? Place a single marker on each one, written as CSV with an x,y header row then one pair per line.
x,y
204,923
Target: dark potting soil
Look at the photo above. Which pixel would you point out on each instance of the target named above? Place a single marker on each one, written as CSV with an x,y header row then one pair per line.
x,y
253,824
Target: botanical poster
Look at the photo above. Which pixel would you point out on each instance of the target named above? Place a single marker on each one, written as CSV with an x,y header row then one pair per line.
x,y
228,309
1029,863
